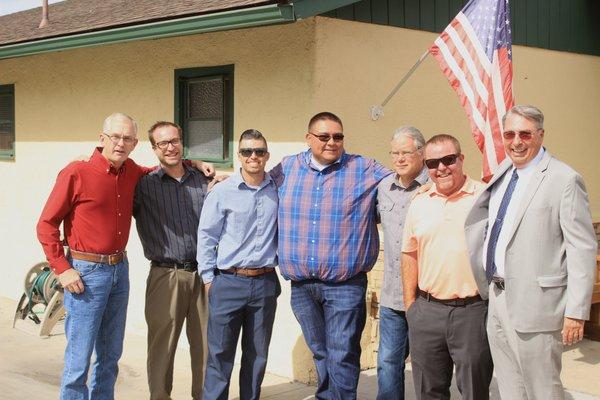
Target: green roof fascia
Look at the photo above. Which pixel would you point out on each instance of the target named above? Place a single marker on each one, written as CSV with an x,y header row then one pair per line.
x,y
243,18
308,8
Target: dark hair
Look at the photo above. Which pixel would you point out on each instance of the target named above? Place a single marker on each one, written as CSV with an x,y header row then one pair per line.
x,y
441,138
324,116
250,134
162,124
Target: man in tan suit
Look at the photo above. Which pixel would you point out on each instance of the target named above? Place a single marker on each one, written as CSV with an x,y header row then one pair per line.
x,y
531,242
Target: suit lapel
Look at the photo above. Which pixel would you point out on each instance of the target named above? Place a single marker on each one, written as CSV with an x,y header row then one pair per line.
x,y
480,210
532,188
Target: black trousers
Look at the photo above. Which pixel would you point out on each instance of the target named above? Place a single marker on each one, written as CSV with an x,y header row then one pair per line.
x,y
443,336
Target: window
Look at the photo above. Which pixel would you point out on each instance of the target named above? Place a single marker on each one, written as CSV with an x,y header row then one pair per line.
x,y
204,109
7,121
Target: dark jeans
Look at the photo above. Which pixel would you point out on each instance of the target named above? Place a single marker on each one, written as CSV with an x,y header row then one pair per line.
x,y
239,303
332,317
392,353
443,336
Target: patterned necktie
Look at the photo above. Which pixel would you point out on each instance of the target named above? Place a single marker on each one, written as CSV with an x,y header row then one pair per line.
x,y
490,265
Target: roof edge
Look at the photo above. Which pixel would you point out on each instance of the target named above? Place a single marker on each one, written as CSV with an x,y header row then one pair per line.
x,y
232,19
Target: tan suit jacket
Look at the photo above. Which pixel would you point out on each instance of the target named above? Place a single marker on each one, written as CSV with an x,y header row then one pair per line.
x,y
551,255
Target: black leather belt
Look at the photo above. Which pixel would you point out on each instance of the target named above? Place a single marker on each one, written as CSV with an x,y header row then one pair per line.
x,y
450,302
191,266
499,282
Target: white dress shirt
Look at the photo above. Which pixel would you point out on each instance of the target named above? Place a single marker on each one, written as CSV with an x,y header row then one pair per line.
x,y
498,190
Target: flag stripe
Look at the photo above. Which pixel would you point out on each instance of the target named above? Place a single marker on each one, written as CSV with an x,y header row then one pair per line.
x,y
464,85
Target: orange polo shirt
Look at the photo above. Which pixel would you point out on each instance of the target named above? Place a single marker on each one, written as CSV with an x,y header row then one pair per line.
x,y
434,228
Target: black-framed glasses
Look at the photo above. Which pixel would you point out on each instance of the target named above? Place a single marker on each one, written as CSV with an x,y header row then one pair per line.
x,y
165,143
433,163
525,136
323,137
259,151
114,138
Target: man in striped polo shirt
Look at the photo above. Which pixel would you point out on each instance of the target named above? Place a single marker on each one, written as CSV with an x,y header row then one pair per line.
x,y
328,240
167,207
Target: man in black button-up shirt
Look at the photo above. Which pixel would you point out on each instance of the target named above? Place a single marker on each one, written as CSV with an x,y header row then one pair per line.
x,y
167,209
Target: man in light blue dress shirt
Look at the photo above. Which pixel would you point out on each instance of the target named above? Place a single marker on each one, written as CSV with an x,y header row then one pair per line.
x,y
237,253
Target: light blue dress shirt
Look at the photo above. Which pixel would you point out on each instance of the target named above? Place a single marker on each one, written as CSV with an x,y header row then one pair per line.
x,y
238,227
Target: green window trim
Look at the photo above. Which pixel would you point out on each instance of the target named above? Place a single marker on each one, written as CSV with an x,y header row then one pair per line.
x,y
8,92
182,75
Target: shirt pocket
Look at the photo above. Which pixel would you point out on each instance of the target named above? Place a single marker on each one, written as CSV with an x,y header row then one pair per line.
x,y
552,281
385,207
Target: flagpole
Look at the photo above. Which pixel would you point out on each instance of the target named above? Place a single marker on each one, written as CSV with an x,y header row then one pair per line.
x,y
377,110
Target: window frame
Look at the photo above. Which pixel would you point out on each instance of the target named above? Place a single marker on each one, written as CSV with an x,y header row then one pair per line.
x,y
184,74
10,154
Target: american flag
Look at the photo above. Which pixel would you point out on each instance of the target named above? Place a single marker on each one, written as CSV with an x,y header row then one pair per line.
x,y
475,54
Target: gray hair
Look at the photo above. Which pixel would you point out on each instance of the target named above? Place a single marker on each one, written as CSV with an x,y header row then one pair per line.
x,y
412,133
529,112
106,126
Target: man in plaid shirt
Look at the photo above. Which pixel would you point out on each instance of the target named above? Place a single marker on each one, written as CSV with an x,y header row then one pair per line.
x,y
328,241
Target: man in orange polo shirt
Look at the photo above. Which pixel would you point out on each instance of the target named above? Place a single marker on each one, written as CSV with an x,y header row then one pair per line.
x,y
445,314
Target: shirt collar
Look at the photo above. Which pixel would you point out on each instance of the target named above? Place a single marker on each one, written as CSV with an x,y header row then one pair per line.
x,y
239,181
308,159
161,173
420,180
468,187
531,164
99,161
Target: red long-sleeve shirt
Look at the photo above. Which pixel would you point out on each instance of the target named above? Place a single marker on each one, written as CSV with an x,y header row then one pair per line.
x,y
95,201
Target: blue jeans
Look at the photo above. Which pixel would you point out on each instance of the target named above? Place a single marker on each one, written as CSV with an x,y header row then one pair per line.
x,y
393,351
95,322
237,303
332,317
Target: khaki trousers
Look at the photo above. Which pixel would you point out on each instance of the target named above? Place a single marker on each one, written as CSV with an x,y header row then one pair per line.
x,y
527,365
173,296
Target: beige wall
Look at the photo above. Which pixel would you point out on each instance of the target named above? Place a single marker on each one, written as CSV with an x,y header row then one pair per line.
x,y
283,75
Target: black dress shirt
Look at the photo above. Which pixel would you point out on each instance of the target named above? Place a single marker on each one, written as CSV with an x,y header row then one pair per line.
x,y
167,212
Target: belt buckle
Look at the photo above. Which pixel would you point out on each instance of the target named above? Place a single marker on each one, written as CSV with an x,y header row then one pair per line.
x,y
113,258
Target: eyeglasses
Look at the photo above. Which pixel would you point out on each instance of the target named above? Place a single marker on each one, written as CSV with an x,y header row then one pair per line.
x,y
165,144
399,154
337,137
448,160
259,151
114,138
523,135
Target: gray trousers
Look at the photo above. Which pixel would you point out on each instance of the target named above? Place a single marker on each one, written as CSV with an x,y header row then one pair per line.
x,y
527,364
443,336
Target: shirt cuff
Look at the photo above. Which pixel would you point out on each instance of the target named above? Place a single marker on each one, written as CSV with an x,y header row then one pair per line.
x,y
207,276
60,265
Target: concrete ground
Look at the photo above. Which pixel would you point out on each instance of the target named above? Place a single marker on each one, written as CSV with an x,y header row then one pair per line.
x,y
30,368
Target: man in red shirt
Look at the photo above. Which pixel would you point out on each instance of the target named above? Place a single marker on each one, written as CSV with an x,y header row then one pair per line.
x,y
93,199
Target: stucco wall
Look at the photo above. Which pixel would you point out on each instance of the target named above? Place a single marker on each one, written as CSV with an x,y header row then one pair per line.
x,y
283,75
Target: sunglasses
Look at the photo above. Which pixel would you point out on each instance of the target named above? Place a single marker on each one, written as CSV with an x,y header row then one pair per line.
x,y
448,160
259,151
337,137
523,135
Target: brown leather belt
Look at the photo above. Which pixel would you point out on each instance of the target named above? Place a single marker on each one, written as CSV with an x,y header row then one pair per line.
x,y
110,259
459,302
248,272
